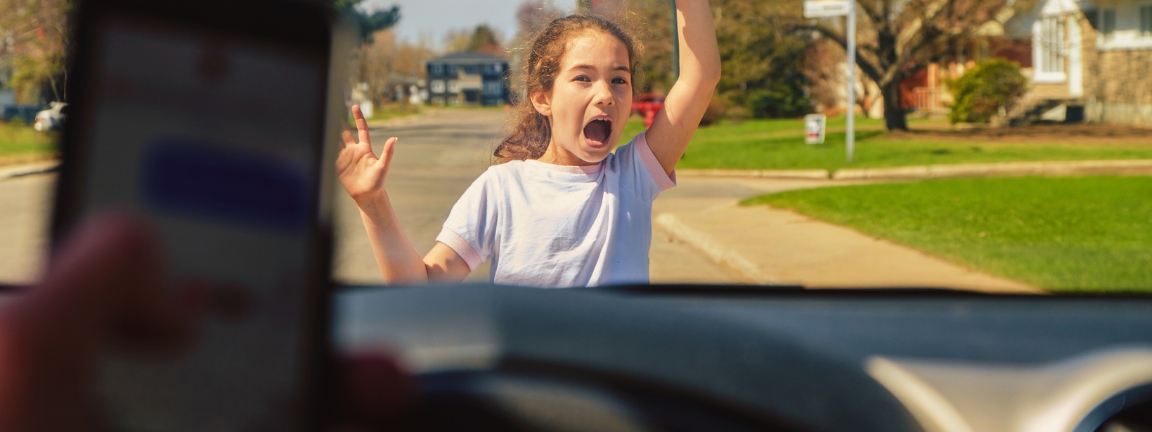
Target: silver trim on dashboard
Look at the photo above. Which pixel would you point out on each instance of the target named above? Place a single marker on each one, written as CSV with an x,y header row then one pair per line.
x,y
947,396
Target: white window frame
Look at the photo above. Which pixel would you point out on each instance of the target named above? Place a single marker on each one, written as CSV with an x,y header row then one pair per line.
x,y
453,86
1135,17
1043,48
437,86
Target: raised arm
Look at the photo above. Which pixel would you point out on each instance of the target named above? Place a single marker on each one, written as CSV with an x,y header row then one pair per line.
x,y
362,174
686,102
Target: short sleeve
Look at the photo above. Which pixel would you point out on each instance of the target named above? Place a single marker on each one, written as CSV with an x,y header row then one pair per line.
x,y
641,170
471,225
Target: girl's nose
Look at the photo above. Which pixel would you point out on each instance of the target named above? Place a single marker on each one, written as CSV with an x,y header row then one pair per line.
x,y
604,95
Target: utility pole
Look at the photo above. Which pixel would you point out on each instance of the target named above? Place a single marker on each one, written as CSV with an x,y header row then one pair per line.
x,y
851,138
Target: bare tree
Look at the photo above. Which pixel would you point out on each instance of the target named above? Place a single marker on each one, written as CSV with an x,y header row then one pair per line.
x,y
388,61
457,40
827,85
36,45
897,38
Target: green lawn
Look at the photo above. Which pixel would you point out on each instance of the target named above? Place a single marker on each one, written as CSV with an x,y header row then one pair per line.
x,y
779,144
18,142
1073,234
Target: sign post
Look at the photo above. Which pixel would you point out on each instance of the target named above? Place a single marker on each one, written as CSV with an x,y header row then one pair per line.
x,y
834,8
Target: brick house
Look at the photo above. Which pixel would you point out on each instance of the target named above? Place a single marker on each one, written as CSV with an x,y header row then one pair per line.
x,y
1095,58
467,78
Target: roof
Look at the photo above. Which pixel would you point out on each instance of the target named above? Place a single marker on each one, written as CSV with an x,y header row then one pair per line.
x,y
468,57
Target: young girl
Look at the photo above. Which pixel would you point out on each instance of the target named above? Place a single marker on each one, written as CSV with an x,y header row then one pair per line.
x,y
562,210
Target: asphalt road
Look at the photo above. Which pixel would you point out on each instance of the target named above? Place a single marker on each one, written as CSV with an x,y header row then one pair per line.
x,y
438,156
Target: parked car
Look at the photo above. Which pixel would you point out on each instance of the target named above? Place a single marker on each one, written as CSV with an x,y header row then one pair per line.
x,y
51,118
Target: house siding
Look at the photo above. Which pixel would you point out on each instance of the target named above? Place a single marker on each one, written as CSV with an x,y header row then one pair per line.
x,y
1122,93
1117,82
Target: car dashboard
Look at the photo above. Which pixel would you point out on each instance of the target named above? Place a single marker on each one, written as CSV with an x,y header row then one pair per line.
x,y
759,358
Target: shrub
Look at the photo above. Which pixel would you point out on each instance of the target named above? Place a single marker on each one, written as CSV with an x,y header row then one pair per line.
x,y
983,90
775,102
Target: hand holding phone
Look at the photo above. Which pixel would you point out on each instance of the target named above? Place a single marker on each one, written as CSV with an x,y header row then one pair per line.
x,y
209,120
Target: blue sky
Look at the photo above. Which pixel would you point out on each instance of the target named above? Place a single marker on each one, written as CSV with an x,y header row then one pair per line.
x,y
433,18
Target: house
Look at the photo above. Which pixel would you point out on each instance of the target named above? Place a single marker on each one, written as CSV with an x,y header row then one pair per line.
x,y
1090,60
467,78
1094,58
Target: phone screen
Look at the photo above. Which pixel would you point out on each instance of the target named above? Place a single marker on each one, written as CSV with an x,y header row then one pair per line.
x,y
216,139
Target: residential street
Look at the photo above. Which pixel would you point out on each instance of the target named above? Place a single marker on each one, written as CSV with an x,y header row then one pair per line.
x,y
438,156
700,235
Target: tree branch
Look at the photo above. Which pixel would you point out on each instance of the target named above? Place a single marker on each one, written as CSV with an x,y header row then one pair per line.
x,y
867,67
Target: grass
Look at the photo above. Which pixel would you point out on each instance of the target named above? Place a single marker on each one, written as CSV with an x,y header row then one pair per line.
x,y
1073,234
779,144
21,143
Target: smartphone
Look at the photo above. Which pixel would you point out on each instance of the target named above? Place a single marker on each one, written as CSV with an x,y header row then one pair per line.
x,y
213,119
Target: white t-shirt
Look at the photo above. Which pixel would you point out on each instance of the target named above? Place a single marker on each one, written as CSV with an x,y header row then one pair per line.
x,y
559,226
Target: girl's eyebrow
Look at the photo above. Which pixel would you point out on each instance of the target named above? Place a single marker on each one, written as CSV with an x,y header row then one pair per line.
x,y
588,66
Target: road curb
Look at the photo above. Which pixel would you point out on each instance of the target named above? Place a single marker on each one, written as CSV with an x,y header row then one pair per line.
x,y
1006,169
815,174
28,169
713,250
1135,166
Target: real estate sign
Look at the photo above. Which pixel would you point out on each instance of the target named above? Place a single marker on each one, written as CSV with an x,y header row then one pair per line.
x,y
814,128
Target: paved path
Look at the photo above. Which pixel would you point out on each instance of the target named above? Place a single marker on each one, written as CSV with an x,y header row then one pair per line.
x,y
766,245
25,209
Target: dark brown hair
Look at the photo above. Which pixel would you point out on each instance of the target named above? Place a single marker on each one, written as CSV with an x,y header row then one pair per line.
x,y
528,130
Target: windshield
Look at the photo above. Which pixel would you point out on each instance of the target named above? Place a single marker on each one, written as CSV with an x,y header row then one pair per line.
x,y
1014,163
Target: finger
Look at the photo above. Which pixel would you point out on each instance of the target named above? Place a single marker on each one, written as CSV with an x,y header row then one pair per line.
x,y
386,154
115,267
361,124
372,387
347,137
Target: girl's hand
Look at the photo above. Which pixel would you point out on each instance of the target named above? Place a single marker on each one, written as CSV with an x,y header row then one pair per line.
x,y
358,169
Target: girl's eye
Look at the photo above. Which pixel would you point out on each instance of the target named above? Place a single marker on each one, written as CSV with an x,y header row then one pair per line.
x,y
582,78
619,80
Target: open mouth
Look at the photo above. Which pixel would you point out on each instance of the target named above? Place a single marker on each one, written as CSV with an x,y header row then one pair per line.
x,y
597,132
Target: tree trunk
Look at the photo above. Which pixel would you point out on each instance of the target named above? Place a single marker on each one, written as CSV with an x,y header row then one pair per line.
x,y
894,118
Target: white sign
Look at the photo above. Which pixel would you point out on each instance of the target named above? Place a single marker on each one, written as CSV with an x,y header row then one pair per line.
x,y
814,128
825,8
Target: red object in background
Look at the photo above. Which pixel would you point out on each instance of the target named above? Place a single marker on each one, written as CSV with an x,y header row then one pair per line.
x,y
648,104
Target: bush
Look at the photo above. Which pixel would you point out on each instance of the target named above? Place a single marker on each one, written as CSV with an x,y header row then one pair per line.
x,y
983,90
775,102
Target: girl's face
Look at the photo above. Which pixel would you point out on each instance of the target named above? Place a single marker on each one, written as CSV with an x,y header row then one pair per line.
x,y
590,100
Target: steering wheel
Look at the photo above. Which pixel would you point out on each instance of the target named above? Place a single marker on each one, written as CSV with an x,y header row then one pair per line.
x,y
505,358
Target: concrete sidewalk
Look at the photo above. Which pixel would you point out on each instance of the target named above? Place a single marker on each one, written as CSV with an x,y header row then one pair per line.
x,y
770,246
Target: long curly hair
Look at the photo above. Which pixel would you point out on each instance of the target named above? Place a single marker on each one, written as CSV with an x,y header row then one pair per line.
x,y
528,131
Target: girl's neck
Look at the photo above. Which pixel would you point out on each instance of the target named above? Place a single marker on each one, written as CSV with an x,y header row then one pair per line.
x,y
557,155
